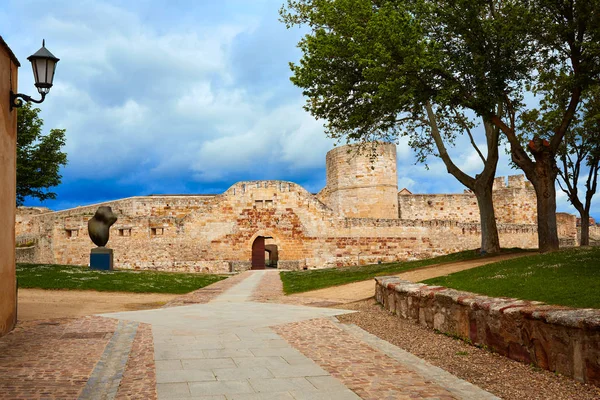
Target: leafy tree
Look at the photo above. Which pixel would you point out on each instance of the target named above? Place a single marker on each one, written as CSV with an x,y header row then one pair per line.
x,y
370,68
370,72
581,149
39,157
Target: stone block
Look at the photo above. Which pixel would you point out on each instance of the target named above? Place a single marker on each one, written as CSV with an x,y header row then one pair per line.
x,y
101,258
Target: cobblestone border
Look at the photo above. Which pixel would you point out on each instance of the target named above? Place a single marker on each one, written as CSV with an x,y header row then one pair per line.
x,y
104,381
457,386
365,370
51,359
139,378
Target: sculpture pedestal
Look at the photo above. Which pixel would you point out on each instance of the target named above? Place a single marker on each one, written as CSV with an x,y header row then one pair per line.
x,y
101,258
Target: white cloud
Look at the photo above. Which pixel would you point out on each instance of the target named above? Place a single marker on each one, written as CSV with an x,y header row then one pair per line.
x,y
157,95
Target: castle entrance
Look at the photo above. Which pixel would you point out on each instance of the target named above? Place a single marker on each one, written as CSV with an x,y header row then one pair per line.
x,y
264,253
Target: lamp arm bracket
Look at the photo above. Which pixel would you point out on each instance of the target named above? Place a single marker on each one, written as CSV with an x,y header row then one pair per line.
x,y
16,99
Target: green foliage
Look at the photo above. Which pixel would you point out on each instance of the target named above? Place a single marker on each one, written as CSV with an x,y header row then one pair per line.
x,y
370,68
303,281
569,278
39,157
50,276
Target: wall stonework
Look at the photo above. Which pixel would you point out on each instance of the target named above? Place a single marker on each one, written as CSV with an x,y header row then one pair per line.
x,y
359,186
594,235
514,203
567,229
215,233
555,338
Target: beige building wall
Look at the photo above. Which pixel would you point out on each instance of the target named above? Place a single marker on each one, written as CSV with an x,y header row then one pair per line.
x,y
217,233
514,203
8,195
361,186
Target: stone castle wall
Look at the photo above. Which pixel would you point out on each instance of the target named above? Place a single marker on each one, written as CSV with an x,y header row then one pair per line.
x,y
360,186
514,203
218,232
566,225
594,235
353,220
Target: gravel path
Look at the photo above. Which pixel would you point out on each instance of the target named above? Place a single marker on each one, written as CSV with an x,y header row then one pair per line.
x,y
499,375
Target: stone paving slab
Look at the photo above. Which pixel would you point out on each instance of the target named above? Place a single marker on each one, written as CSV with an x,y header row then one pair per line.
x,y
234,348
226,348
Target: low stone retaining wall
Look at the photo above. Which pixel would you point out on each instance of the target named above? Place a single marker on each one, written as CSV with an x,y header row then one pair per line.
x,y
26,254
561,339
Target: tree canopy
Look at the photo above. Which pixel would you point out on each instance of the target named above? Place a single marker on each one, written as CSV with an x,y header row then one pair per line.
x,y
369,67
39,157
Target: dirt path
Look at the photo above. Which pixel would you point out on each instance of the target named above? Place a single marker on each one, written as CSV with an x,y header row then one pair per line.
x,y
42,304
365,289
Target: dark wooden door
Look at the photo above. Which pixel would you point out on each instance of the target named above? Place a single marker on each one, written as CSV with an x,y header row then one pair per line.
x,y
258,253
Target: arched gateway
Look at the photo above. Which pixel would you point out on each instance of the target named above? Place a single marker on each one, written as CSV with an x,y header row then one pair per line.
x,y
258,253
264,253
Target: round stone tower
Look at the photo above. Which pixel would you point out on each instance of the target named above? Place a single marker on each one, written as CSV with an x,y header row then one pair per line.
x,y
359,186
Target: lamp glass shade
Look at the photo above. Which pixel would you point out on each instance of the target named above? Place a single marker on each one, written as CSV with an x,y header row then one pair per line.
x,y
44,64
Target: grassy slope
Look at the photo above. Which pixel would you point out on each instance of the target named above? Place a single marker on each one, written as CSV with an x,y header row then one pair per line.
x,y
303,281
82,278
570,278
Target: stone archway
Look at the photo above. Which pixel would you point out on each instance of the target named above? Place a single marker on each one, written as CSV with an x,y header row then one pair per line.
x,y
258,253
264,247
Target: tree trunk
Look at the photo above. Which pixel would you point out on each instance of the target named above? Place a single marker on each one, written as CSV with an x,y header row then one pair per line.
x,y
481,185
543,180
585,228
490,243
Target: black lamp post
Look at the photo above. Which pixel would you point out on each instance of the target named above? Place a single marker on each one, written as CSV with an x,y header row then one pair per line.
x,y
44,64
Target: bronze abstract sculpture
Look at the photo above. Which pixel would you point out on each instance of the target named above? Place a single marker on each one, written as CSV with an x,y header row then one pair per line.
x,y
99,225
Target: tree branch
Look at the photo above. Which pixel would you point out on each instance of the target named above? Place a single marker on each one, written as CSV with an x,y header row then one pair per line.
x,y
466,128
450,166
518,154
559,133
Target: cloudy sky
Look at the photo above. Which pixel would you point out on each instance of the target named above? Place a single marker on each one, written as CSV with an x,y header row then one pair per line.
x,y
183,96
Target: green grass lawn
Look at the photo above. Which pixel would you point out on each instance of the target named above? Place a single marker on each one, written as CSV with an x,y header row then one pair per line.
x,y
303,281
44,276
569,278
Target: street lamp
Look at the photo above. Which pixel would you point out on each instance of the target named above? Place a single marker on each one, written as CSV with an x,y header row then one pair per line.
x,y
43,63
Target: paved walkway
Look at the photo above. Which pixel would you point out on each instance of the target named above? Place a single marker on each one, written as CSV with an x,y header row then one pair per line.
x,y
232,348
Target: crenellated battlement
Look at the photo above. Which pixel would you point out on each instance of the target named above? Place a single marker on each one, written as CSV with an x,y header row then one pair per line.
x,y
362,183
514,203
514,182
